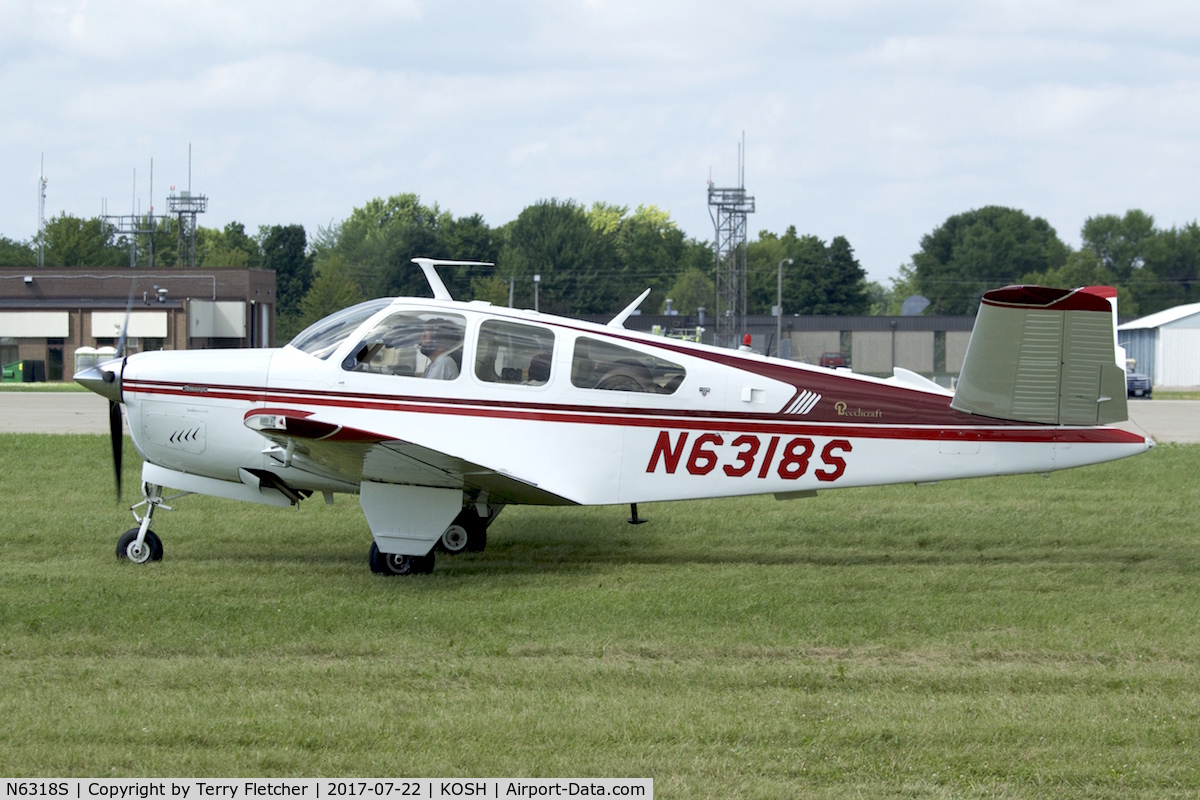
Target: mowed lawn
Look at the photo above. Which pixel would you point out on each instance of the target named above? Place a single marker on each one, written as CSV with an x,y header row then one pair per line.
x,y
1007,637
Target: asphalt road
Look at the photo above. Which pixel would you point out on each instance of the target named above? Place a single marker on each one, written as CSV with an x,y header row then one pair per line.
x,y
78,412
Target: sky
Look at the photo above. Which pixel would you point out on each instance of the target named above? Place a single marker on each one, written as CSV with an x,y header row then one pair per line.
x,y
869,119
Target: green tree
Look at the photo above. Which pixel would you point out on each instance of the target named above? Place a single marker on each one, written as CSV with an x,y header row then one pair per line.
x,y
980,250
653,253
889,301
284,249
577,263
1171,273
842,282
693,289
76,242
762,259
229,247
1119,243
821,279
161,244
490,288
378,241
17,254
333,288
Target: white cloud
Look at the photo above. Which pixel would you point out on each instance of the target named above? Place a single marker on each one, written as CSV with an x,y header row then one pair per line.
x,y
867,118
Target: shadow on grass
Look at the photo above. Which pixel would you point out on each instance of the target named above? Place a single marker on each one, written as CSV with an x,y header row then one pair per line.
x,y
589,546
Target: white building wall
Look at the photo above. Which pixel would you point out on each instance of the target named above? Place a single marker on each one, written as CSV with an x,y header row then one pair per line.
x,y
956,349
1177,360
914,350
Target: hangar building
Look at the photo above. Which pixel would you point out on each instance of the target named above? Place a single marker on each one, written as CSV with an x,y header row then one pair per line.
x,y
1166,345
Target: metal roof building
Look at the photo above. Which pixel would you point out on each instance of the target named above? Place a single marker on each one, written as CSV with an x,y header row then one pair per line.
x,y
1166,345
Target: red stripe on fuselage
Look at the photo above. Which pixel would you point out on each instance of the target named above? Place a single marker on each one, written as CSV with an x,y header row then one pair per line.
x,y
999,431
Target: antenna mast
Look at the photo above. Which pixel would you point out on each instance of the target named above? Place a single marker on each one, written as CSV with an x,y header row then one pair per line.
x,y
42,213
186,206
134,225
729,220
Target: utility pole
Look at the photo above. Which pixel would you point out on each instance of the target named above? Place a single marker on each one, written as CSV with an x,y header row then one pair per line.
x,y
779,310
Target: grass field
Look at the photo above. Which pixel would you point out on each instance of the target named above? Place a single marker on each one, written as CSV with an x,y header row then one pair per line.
x,y
1009,637
41,387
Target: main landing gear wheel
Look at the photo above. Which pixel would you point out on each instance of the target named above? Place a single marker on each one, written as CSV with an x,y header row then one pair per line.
x,y
151,548
467,534
395,564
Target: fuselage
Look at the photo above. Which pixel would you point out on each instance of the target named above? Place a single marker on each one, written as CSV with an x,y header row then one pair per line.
x,y
565,411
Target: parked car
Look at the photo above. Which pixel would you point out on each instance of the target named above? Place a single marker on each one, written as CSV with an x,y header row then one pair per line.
x,y
833,360
1138,385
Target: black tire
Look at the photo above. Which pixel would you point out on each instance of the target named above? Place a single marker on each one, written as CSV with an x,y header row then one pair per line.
x,y
152,547
394,564
467,534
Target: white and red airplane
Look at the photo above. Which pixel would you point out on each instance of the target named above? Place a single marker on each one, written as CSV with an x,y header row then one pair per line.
x,y
439,413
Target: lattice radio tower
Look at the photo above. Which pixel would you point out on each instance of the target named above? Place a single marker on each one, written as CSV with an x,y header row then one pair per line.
x,y
134,225
728,209
186,206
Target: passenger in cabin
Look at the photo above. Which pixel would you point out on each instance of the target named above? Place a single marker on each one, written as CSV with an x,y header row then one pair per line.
x,y
441,341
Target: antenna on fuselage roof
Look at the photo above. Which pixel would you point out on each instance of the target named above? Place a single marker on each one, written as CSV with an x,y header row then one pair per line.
x,y
619,320
429,267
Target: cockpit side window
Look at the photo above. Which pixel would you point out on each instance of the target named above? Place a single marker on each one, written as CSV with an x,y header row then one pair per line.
x,y
598,364
509,352
324,336
424,344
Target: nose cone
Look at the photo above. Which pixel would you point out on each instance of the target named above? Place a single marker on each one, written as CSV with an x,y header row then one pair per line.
x,y
104,380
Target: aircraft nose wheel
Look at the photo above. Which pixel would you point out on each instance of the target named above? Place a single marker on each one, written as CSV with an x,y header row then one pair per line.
x,y
395,564
151,548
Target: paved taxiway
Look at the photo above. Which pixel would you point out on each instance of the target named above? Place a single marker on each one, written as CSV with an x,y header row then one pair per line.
x,y
77,412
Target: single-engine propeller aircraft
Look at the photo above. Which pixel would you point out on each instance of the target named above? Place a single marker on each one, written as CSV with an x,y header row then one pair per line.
x,y
439,413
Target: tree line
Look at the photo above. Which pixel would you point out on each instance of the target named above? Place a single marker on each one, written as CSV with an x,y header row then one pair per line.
x,y
595,259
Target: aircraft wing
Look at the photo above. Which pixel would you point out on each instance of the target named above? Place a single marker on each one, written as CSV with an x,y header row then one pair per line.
x,y
354,455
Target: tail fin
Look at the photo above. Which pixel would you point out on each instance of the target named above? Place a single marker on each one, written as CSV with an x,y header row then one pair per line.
x,y
1045,355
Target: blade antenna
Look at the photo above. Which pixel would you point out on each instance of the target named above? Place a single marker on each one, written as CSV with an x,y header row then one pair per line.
x,y
619,320
429,267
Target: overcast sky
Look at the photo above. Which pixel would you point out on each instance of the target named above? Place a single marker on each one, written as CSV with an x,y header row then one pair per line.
x,y
872,120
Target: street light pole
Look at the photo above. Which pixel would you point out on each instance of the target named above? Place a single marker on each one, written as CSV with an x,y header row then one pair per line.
x,y
779,310
537,282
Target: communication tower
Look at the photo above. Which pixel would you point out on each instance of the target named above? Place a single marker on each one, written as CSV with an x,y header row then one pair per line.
x,y
134,225
41,259
728,209
186,206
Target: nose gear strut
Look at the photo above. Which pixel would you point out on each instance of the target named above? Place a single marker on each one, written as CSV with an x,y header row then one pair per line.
x,y
141,545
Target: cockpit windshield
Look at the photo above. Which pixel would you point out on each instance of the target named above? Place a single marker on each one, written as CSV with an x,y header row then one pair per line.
x,y
323,337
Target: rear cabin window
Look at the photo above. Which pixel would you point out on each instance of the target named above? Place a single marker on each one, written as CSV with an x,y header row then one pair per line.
x,y
426,344
598,364
509,352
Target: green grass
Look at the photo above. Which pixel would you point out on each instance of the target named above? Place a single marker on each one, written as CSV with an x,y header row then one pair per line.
x,y
69,386
1180,394
1009,637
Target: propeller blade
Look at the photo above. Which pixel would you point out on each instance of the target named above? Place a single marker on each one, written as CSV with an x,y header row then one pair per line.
x,y
117,435
125,327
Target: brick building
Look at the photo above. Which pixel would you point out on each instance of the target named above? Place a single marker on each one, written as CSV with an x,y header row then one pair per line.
x,y
48,314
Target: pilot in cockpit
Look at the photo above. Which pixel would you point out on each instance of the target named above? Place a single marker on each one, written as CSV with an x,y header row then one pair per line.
x,y
441,342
